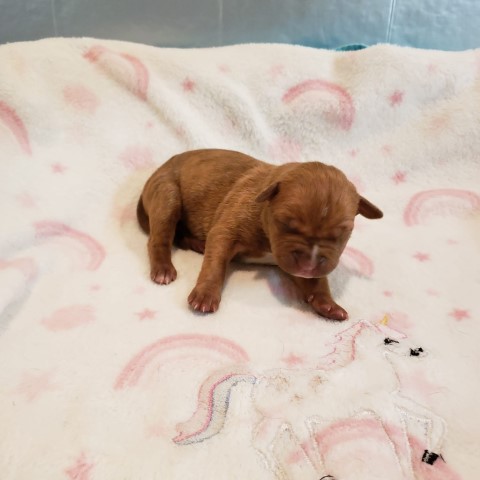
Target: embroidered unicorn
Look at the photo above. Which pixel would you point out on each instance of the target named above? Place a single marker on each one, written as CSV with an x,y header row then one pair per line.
x,y
357,378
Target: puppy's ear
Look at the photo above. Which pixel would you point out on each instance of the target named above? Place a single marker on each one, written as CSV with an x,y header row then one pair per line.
x,y
268,193
368,209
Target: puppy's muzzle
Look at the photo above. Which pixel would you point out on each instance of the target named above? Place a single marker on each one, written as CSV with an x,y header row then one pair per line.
x,y
310,264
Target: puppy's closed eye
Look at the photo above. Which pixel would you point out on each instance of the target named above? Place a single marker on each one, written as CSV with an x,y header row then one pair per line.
x,y
287,226
338,233
331,238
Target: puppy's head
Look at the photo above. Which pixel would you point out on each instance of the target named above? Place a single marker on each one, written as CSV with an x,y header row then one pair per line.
x,y
308,216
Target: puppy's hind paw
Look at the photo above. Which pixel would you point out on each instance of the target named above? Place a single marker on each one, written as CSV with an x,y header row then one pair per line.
x,y
203,301
327,308
163,273
190,243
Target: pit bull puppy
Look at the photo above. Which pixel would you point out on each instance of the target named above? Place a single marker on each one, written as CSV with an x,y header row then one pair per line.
x,y
230,206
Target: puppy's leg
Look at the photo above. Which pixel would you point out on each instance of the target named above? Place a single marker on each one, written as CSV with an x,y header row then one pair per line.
x,y
186,241
191,243
316,292
219,250
163,215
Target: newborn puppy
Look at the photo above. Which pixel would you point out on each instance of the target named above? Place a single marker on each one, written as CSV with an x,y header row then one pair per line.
x,y
229,206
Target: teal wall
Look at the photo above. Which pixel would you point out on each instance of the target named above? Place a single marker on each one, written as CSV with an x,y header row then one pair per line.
x,y
441,24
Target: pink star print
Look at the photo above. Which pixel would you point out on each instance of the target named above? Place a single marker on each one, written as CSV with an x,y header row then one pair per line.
x,y
292,360
388,293
156,430
58,168
353,152
421,257
396,98
224,68
459,314
399,177
188,85
386,150
276,70
33,385
26,200
80,470
146,314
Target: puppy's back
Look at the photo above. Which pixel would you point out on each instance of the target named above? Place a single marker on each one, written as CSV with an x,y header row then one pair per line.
x,y
206,178
203,179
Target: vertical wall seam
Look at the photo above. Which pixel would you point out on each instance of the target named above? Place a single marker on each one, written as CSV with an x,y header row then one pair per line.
x,y
220,22
54,17
391,17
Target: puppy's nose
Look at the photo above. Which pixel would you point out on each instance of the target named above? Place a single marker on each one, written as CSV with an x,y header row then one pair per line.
x,y
309,262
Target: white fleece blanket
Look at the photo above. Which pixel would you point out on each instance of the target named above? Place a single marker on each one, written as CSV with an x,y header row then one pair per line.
x,y
107,376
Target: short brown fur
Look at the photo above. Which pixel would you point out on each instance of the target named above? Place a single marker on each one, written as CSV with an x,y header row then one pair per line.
x,y
228,205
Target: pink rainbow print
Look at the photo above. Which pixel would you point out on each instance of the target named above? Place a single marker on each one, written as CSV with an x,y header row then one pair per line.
x,y
368,429
93,253
15,124
26,265
356,260
81,98
136,157
425,204
137,70
137,366
347,108
68,318
141,75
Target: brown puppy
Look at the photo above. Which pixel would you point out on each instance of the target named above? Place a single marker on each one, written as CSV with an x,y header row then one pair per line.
x,y
228,206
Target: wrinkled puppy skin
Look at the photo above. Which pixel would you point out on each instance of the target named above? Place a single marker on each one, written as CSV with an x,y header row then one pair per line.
x,y
230,206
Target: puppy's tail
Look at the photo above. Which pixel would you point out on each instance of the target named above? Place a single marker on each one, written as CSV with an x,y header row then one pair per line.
x,y
142,216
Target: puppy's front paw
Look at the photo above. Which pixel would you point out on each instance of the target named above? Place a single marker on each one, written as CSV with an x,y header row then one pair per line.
x,y
326,307
203,300
163,273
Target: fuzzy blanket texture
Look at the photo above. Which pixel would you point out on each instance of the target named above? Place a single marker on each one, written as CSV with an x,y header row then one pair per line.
x,y
107,376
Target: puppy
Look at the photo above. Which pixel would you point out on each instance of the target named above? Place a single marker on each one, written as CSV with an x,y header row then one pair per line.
x,y
228,206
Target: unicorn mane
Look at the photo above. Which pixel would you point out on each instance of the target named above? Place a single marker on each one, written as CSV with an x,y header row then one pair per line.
x,y
343,346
